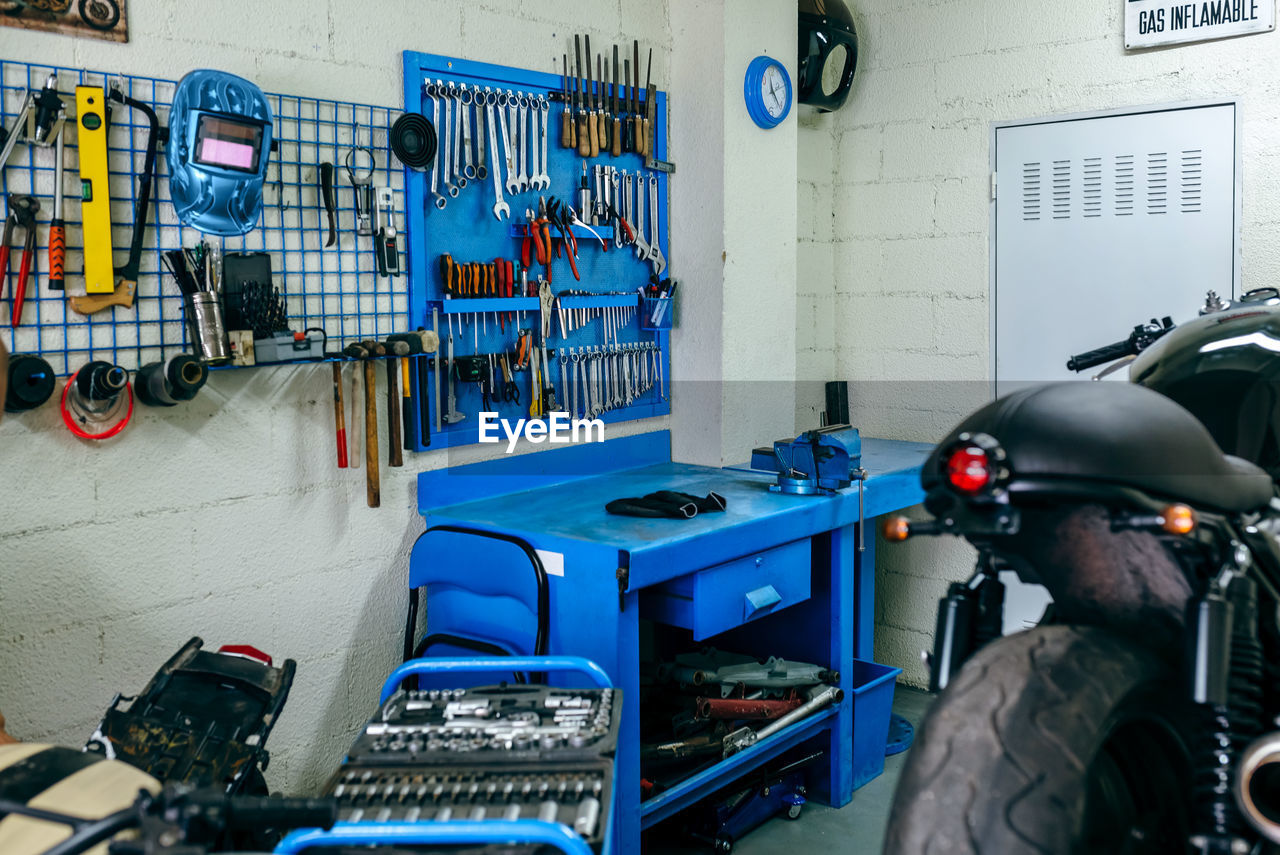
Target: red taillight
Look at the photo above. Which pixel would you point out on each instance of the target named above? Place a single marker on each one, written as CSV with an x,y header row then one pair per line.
x,y
969,469
245,651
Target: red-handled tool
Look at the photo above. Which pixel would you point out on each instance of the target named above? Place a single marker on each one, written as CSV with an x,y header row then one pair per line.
x,y
339,416
22,213
57,226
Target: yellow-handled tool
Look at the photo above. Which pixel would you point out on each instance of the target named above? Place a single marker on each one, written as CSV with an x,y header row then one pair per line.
x,y
95,199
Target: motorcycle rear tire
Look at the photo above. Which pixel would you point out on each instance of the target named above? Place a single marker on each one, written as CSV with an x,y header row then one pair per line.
x,y
1056,740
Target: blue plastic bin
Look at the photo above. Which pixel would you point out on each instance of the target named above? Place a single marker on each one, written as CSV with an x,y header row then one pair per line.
x,y
872,705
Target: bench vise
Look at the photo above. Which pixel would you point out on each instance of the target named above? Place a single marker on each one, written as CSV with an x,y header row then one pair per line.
x,y
817,462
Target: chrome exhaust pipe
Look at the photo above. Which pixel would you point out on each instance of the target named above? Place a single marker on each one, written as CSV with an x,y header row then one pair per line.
x,y
1257,785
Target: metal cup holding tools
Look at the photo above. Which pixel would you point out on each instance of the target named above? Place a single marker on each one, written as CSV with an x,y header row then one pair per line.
x,y
205,328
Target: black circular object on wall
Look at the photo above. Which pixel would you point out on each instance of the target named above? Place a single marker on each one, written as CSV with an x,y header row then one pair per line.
x,y
413,139
31,382
828,54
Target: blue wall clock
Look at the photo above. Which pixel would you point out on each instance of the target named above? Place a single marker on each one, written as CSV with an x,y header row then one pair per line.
x,y
767,90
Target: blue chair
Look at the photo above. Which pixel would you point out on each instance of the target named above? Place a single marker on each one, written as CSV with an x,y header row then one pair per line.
x,y
486,594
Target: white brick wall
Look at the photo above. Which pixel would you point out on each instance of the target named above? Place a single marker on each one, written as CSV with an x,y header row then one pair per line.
x,y
226,517
911,209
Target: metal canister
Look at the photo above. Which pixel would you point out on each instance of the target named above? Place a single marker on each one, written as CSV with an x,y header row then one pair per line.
x,y
205,328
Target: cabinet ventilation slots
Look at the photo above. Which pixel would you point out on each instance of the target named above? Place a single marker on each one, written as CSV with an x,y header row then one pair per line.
x,y
1031,191
1094,187
1124,185
1157,182
1191,175
1062,189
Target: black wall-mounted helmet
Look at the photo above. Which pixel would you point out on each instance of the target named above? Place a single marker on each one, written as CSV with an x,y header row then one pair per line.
x,y
828,53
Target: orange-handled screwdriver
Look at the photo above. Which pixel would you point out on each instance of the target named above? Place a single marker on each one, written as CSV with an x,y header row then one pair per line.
x,y
57,226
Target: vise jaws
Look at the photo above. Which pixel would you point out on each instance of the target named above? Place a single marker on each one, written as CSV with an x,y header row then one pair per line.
x,y
817,462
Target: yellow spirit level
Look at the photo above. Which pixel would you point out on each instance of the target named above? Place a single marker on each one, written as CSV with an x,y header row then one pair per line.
x,y
95,198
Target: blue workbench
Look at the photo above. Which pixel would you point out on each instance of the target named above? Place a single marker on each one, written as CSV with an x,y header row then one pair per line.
x,y
555,500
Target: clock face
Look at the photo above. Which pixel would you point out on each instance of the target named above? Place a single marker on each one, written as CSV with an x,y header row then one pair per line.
x,y
773,90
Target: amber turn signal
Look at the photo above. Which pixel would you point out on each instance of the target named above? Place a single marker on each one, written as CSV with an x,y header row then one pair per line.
x,y
1178,519
896,529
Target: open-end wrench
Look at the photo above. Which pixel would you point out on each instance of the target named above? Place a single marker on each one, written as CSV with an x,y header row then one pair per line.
x,y
655,248
465,100
576,360
434,94
618,395
482,171
459,180
637,223
507,102
544,178
532,161
446,145
500,206
522,146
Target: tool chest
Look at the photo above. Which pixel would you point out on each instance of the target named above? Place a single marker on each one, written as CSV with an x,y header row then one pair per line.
x,y
607,356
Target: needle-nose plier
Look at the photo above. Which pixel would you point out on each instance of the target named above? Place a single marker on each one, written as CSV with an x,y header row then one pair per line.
x,y
22,213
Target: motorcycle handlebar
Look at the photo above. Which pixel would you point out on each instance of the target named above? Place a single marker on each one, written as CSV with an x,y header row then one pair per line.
x,y
1109,353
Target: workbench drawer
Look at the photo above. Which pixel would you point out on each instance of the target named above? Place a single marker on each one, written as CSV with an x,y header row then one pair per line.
x,y
719,598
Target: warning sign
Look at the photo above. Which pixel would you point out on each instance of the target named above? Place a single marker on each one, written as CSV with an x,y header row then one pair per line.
x,y
1148,23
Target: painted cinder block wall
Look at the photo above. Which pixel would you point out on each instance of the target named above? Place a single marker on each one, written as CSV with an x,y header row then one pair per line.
x,y
909,191
227,517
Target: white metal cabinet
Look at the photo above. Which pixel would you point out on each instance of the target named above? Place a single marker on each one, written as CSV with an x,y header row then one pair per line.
x,y
1105,220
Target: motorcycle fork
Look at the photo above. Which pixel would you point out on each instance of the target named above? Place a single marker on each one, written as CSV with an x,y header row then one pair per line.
x,y
1225,664
969,616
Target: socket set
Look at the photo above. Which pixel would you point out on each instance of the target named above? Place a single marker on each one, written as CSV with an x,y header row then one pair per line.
x,y
506,752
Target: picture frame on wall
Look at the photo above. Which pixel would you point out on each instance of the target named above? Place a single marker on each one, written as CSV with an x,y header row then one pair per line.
x,y
98,19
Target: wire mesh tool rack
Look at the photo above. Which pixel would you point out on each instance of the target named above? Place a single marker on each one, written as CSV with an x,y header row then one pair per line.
x,y
335,289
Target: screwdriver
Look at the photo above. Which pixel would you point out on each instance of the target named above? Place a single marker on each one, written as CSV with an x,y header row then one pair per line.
x,y
638,146
584,146
57,226
593,120
605,119
566,120
613,108
651,95
627,141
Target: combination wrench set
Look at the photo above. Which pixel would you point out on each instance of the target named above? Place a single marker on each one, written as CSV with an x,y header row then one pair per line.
x,y
476,119
597,380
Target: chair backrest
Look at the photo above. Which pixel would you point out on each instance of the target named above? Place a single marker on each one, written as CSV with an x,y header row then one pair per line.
x,y
486,593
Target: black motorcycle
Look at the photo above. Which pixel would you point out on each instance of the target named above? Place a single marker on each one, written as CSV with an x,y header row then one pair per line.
x,y
1139,716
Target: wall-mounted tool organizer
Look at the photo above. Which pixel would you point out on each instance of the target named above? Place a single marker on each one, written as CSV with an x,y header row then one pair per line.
x,y
335,288
601,361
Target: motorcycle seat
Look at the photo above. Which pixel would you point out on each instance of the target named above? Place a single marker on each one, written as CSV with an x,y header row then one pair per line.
x,y
1116,433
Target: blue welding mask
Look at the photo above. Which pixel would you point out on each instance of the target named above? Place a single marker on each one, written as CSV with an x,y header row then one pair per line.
x,y
219,141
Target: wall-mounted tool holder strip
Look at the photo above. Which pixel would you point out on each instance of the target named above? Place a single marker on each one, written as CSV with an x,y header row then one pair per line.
x,y
336,289
593,318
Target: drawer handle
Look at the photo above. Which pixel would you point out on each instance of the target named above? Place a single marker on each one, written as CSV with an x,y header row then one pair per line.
x,y
760,601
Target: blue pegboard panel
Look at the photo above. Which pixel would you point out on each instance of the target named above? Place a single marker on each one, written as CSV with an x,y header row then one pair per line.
x,y
336,289
468,231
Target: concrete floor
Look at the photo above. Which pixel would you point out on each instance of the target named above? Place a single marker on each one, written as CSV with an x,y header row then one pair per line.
x,y
855,829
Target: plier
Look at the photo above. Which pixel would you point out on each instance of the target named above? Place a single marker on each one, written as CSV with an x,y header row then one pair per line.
x,y
623,234
22,213
540,235
556,213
